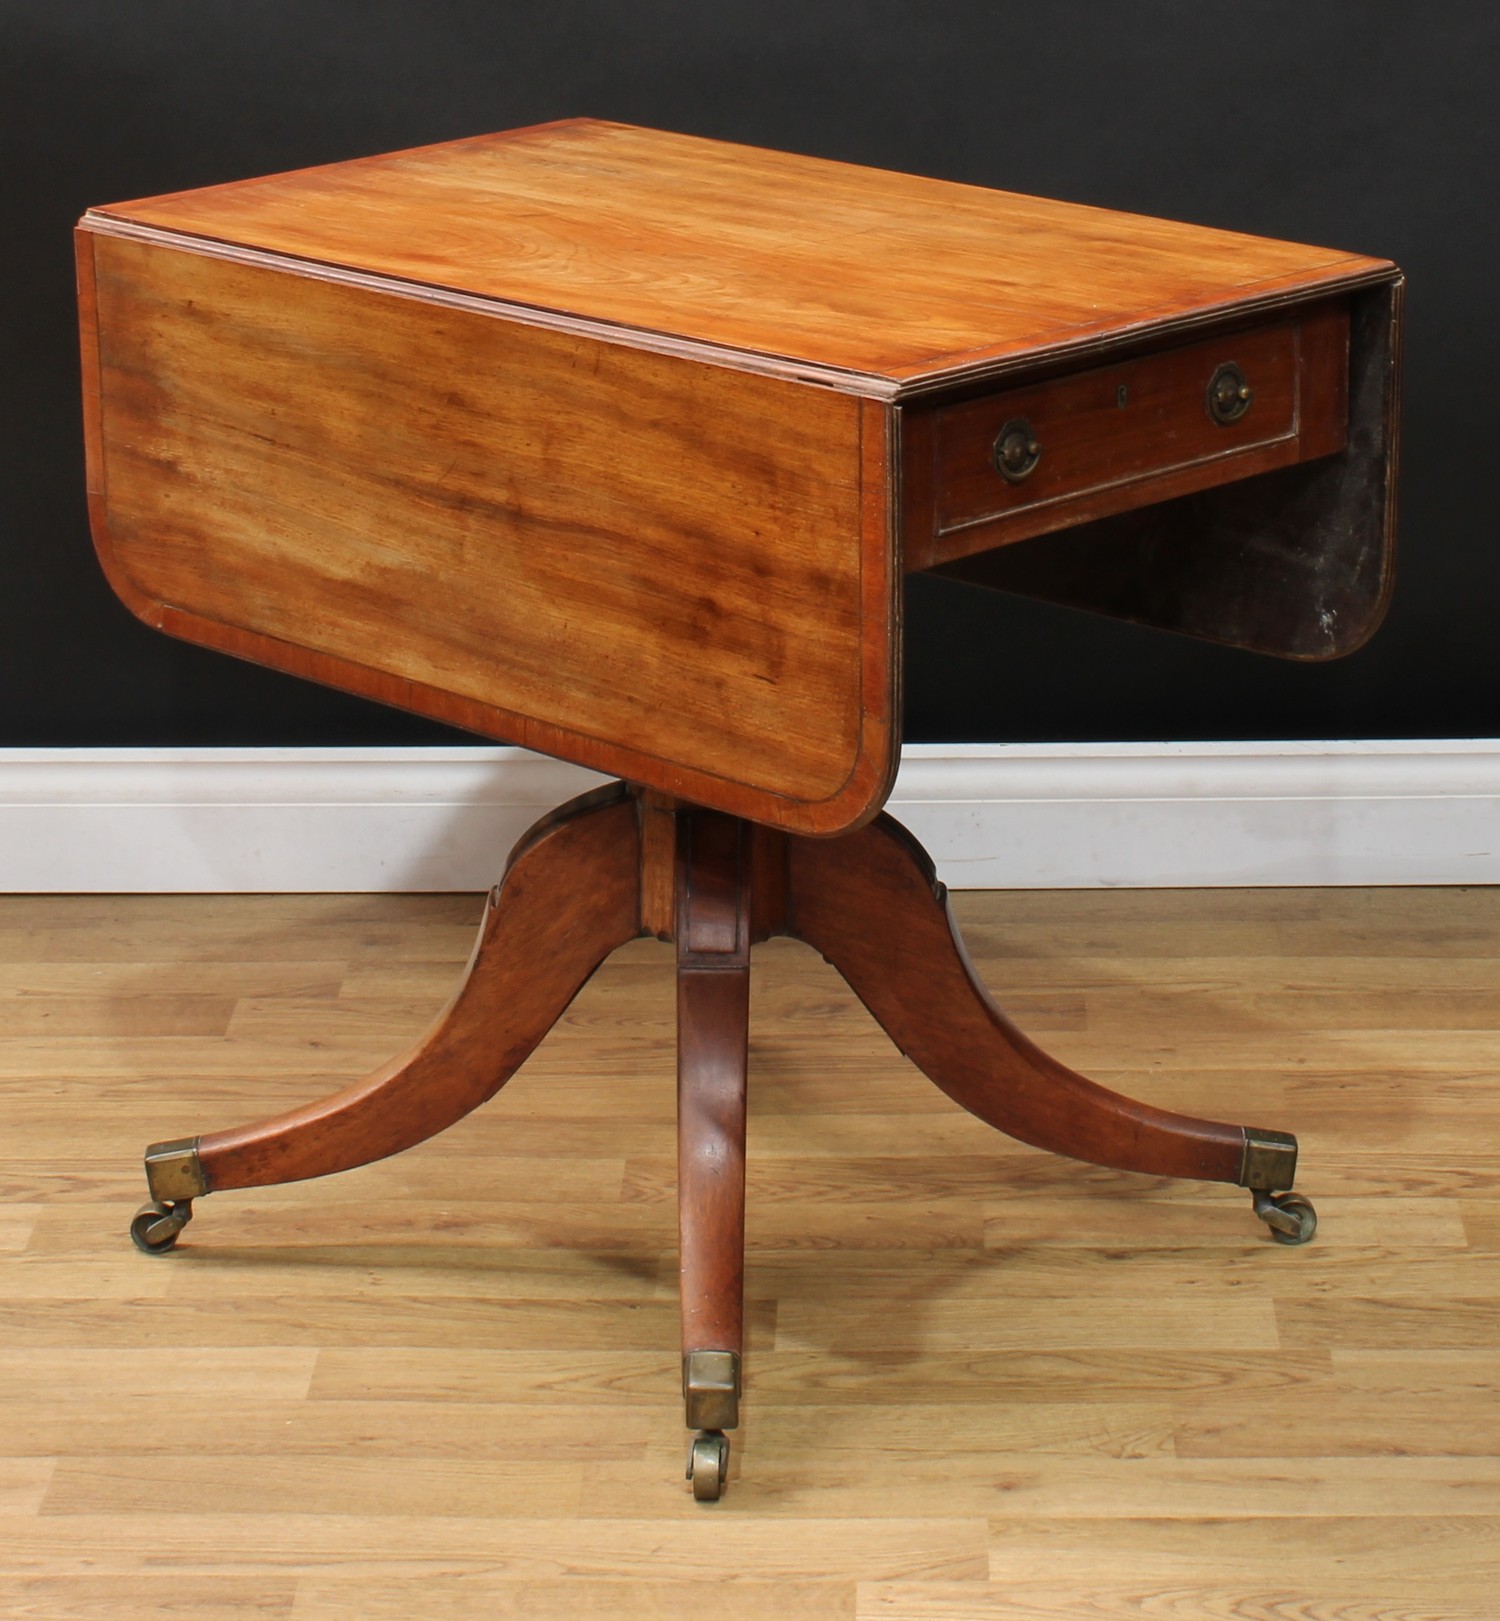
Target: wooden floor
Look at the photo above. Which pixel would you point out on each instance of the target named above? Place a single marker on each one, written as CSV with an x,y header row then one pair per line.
x,y
982,1382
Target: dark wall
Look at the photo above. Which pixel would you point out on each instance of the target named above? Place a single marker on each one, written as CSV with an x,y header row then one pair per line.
x,y
1370,127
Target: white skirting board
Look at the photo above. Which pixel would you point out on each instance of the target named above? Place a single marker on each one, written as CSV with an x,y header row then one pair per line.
x,y
994,816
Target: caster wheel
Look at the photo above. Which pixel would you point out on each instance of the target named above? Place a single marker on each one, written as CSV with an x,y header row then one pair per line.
x,y
708,1466
155,1227
1290,1217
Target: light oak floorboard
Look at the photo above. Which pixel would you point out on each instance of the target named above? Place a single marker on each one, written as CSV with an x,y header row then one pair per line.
x,y
487,1598
982,1382
1074,1598
104,1598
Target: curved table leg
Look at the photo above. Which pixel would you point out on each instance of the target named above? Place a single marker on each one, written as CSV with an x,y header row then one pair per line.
x,y
713,1008
570,895
871,904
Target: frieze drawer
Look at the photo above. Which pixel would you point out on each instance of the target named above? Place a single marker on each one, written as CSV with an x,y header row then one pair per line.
x,y
1086,444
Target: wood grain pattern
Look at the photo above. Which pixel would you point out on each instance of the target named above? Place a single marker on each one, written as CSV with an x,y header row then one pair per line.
x,y
663,570
895,281
459,1318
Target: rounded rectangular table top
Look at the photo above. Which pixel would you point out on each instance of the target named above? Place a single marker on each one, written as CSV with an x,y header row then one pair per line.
x,y
615,443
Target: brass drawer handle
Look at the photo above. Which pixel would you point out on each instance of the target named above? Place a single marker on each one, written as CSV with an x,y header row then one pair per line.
x,y
1229,395
1016,450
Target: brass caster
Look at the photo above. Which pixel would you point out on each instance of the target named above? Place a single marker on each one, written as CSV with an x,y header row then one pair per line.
x,y
155,1226
708,1466
1290,1217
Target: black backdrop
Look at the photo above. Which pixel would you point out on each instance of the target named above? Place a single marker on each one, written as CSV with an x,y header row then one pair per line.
x,y
1368,126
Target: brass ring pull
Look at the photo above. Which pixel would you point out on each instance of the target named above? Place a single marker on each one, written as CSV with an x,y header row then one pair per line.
x,y
1016,450
1229,395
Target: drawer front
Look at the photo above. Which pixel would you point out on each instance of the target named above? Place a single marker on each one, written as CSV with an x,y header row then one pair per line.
x,y
1087,444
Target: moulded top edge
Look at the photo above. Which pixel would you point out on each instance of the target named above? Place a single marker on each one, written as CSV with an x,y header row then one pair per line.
x,y
858,278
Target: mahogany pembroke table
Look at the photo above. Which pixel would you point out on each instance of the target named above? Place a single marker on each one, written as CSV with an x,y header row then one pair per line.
x,y
618,444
